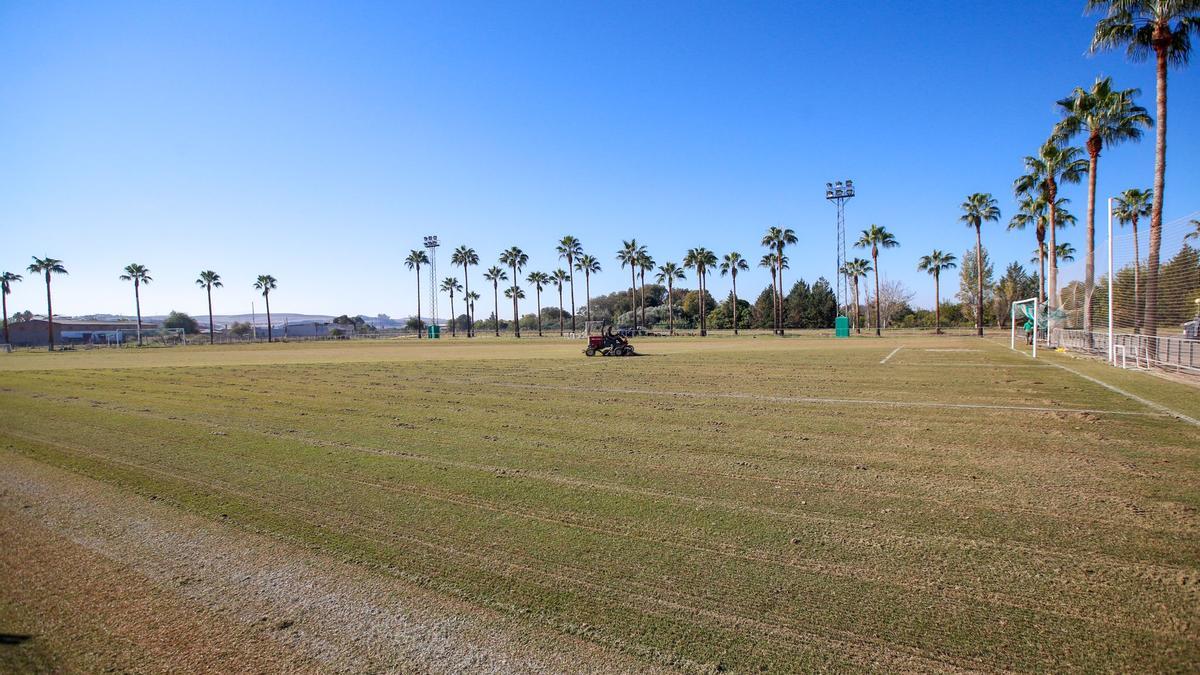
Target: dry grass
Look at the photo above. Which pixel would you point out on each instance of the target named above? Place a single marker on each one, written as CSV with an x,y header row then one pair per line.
x,y
740,503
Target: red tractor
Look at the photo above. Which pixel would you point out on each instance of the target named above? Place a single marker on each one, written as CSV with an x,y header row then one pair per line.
x,y
608,343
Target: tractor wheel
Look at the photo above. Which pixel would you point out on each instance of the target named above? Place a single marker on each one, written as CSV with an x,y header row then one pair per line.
x,y
628,351
589,351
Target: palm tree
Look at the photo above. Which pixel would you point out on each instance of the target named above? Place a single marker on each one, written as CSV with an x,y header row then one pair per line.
x,y
701,259
416,258
471,297
977,209
1143,27
516,259
516,293
934,263
569,249
589,265
1129,207
466,256
266,284
496,275
645,264
1195,233
48,266
769,261
138,274
1032,210
778,238
7,279
1053,164
876,237
668,272
1106,117
854,270
209,280
629,255
731,265
560,276
1064,252
449,285
538,280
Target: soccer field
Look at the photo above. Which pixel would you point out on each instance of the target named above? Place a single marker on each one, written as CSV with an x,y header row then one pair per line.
x,y
746,504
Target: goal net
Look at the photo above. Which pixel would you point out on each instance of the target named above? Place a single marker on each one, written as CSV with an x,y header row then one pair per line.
x,y
1145,303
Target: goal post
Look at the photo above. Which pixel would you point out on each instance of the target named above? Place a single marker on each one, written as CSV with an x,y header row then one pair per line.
x,y
1029,314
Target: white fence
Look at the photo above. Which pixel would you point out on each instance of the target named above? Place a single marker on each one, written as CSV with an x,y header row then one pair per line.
x,y
1131,350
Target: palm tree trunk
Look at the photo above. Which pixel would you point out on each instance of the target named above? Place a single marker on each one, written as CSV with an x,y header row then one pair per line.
x,y
1137,264
453,319
642,276
937,303
779,307
571,269
1150,320
270,333
1089,264
467,293
137,303
538,291
774,302
496,300
420,323
670,306
560,312
735,307
1052,258
4,302
587,288
49,315
857,317
703,312
878,323
516,318
212,340
978,284
633,295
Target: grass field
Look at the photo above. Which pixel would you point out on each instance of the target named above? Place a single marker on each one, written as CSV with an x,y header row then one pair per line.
x,y
743,504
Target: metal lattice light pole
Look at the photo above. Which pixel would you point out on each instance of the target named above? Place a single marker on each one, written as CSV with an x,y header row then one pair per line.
x,y
839,193
431,247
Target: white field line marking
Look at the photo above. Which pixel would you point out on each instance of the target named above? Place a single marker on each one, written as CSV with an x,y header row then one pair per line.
x,y
833,401
953,350
1146,402
885,359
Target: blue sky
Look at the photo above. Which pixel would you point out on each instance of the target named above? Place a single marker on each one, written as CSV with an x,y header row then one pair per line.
x,y
319,141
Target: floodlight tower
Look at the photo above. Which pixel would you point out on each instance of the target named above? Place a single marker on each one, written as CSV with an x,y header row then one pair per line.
x,y
431,246
839,193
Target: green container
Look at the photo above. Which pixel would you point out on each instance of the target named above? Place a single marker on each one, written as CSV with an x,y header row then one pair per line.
x,y
841,327
435,332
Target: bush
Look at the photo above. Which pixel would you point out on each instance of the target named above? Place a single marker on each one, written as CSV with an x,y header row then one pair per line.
x,y
180,320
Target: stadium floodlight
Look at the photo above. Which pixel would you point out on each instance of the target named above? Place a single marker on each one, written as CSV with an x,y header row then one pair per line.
x,y
838,192
431,246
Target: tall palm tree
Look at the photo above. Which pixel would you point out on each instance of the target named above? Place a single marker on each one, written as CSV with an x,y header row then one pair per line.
x,y
701,260
471,297
1195,233
48,266
1161,27
416,258
778,238
934,263
875,238
589,265
854,270
1129,207
629,255
769,261
449,285
496,275
560,277
209,280
645,263
977,209
7,279
1053,164
516,259
1064,252
267,283
138,274
1106,116
466,256
569,249
538,280
668,272
731,265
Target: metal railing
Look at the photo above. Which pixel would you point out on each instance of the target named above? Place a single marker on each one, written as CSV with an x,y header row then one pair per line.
x,y
1132,350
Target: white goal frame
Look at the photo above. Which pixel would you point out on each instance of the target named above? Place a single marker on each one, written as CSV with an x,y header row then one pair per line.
x,y
1013,327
